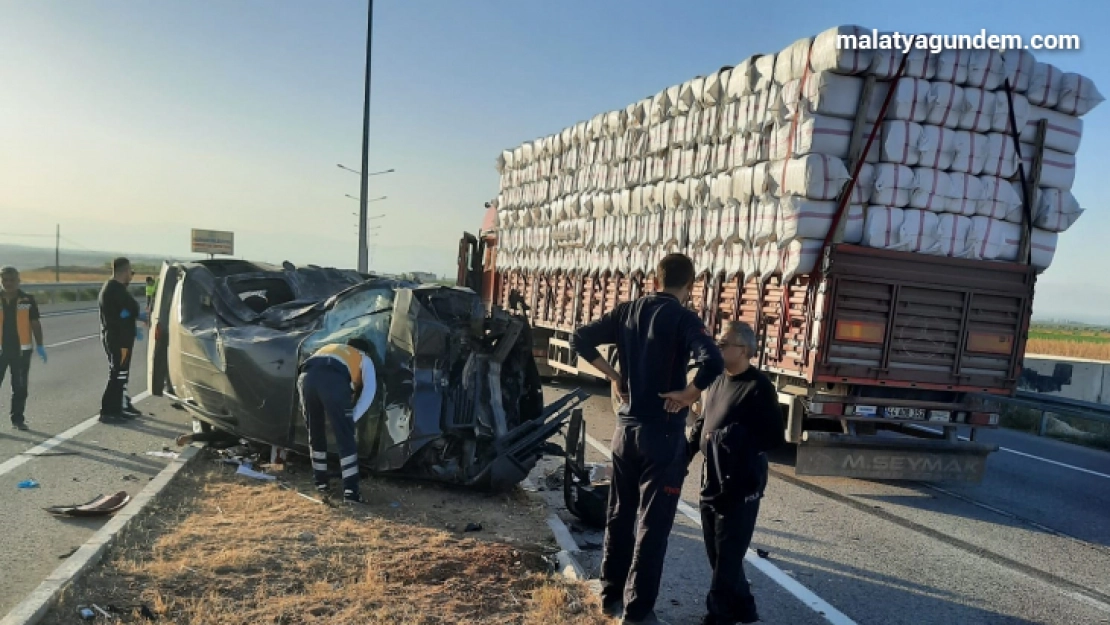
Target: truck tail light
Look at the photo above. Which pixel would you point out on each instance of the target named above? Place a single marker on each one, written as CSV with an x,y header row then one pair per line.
x,y
860,331
826,408
983,418
990,343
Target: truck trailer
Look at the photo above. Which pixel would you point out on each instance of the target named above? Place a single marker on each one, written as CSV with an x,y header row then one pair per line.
x,y
888,358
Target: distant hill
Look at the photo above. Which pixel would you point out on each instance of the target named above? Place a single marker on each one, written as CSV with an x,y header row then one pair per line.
x,y
28,258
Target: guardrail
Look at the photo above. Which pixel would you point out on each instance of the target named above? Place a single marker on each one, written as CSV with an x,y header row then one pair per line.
x,y
1053,404
47,287
54,289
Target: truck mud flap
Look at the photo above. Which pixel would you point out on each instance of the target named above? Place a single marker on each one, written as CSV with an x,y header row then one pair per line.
x,y
882,458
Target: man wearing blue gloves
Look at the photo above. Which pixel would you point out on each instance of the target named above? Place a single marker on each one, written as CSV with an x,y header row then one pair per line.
x,y
19,323
119,312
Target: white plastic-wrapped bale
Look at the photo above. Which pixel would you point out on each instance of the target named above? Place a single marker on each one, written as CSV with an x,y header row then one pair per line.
x,y
1044,85
1078,95
931,190
800,218
1057,168
1000,200
893,186
952,232
799,257
1062,132
1054,210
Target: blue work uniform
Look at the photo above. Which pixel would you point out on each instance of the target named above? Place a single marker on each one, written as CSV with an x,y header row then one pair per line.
x,y
337,385
655,338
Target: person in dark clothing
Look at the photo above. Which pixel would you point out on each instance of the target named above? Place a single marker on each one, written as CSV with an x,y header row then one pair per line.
x,y
119,312
740,420
337,384
655,338
19,324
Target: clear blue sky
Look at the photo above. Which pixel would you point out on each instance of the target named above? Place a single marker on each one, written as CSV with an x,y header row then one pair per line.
x,y
131,122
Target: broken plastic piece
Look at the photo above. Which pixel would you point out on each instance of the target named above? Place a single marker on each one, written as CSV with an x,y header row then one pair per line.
x,y
162,454
473,527
101,505
28,484
247,471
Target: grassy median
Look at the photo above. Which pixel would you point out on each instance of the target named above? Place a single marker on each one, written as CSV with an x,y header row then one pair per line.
x,y
223,549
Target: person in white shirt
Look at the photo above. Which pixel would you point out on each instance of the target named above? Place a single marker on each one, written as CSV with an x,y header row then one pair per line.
x,y
332,381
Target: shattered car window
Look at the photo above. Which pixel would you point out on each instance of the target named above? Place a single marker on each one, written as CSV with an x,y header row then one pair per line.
x,y
363,314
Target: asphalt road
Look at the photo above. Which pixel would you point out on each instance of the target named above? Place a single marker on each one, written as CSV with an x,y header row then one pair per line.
x,y
101,459
1030,544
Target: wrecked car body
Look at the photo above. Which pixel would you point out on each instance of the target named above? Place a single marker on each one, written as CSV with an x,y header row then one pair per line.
x,y
459,396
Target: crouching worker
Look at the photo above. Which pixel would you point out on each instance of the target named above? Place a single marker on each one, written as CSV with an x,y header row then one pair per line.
x,y
739,421
337,383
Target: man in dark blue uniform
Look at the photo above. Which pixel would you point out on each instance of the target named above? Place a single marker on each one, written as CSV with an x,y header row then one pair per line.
x,y
740,420
655,338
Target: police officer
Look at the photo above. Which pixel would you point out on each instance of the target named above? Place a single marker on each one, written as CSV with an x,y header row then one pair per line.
x,y
19,323
333,381
655,337
119,313
740,420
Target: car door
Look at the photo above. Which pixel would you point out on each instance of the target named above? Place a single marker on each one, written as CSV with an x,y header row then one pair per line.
x,y
158,379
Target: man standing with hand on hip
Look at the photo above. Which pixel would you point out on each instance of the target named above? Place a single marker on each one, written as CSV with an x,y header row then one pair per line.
x,y
19,323
655,338
119,313
740,420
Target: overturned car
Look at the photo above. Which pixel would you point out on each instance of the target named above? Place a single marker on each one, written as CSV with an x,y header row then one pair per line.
x,y
459,396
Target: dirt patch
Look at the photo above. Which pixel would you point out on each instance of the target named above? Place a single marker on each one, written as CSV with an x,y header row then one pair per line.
x,y
224,549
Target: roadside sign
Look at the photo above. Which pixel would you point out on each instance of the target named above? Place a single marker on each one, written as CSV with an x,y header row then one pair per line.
x,y
213,242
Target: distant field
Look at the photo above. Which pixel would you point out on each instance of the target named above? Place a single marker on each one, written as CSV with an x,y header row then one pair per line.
x,y
84,274
1069,342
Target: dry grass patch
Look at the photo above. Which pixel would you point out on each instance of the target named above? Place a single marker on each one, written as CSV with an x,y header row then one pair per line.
x,y
1068,348
225,550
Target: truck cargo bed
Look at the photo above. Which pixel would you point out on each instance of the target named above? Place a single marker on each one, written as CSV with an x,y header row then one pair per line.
x,y
877,318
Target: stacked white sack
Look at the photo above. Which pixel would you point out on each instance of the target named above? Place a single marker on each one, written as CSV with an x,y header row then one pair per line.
x,y
741,168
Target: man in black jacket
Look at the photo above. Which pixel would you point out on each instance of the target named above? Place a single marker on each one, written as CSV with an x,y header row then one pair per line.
x,y
655,337
740,421
119,313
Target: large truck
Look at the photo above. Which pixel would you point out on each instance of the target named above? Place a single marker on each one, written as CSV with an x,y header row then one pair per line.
x,y
887,362
879,341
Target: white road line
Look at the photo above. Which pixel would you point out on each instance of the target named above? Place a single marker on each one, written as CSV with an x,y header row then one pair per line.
x,y
44,446
789,584
65,313
1022,453
77,340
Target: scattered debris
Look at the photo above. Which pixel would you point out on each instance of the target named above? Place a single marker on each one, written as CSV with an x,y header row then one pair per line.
x,y
246,471
675,602
163,454
101,505
177,406
28,484
86,614
395,504
473,527
130,478
763,553
306,537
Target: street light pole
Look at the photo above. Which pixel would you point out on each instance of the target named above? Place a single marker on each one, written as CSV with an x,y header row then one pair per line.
x,y
363,252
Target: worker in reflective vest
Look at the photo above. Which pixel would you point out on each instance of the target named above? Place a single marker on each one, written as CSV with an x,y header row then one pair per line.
x,y
337,384
151,289
19,324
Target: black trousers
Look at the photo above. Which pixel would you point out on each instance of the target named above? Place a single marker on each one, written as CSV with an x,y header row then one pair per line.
x,y
649,466
728,525
19,364
325,391
115,399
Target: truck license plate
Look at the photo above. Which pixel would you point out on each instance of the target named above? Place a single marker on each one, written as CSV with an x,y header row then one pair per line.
x,y
904,413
